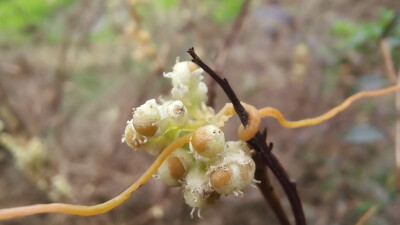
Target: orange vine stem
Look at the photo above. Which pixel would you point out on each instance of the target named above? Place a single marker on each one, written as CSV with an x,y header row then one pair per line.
x,y
82,210
246,133
269,111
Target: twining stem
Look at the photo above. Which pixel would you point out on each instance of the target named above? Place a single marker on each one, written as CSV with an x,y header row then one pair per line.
x,y
268,111
246,133
83,210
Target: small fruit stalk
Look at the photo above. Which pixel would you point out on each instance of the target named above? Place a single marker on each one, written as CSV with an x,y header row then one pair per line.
x,y
208,166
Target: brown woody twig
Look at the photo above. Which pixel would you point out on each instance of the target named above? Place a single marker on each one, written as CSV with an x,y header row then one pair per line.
x,y
266,188
258,143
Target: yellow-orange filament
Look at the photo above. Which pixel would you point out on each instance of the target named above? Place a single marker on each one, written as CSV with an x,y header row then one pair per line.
x,y
248,132
268,111
100,208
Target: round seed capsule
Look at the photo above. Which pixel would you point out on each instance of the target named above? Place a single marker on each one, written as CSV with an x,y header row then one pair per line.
x,y
132,138
174,169
233,174
146,118
208,141
196,190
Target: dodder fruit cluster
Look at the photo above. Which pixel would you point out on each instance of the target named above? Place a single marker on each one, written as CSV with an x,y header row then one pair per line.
x,y
208,166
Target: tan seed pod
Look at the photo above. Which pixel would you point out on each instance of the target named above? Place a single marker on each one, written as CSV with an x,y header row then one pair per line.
x,y
220,177
233,174
132,138
146,118
207,141
175,167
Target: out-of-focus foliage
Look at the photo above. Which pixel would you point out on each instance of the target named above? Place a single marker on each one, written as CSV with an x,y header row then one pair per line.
x,y
365,36
18,14
225,10
222,11
167,3
364,133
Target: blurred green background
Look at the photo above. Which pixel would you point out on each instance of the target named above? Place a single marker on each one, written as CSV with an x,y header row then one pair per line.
x,y
71,71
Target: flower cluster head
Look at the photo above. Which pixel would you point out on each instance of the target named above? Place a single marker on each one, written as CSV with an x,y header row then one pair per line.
x,y
208,166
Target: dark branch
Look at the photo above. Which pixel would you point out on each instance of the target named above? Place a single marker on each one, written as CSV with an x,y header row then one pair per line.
x,y
277,169
243,115
266,188
258,143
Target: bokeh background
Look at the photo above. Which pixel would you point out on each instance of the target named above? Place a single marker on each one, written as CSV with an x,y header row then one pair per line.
x,y
72,70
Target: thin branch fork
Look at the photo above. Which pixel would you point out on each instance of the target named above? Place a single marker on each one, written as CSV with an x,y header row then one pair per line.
x,y
266,188
258,143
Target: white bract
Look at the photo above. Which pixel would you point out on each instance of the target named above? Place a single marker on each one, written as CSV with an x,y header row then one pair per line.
x,y
146,118
174,113
188,86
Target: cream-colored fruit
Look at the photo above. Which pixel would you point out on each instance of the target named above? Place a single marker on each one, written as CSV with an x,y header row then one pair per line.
x,y
208,141
132,138
196,190
232,174
146,118
175,167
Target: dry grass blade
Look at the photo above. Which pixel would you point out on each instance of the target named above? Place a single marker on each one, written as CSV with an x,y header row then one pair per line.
x,y
364,218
